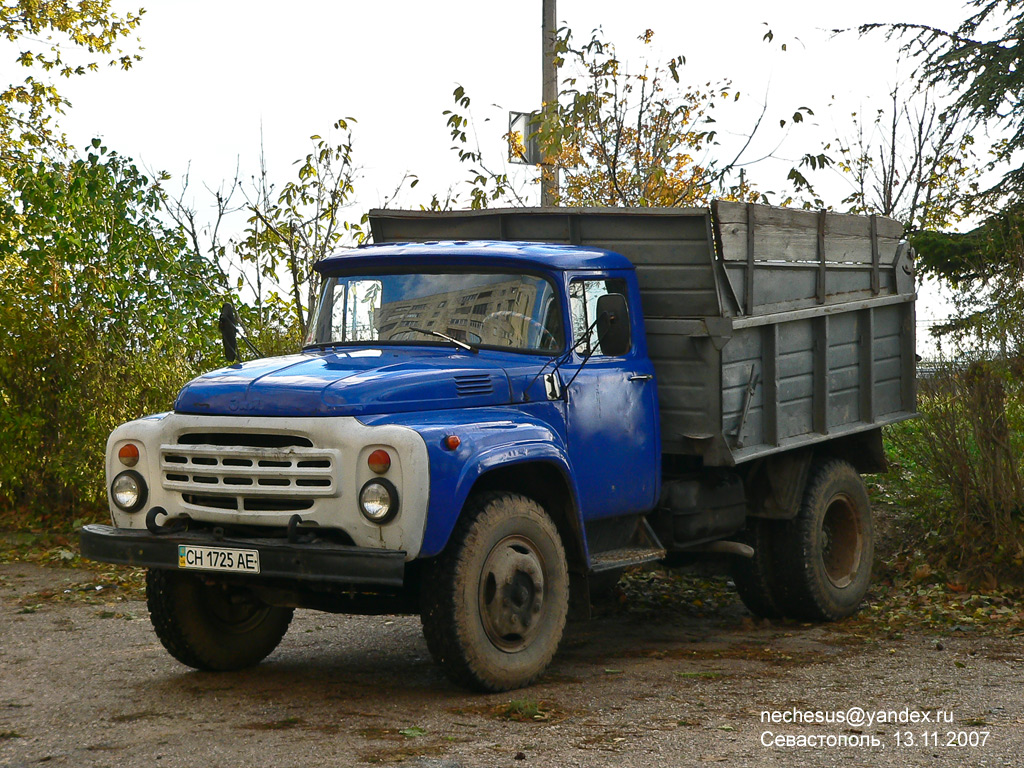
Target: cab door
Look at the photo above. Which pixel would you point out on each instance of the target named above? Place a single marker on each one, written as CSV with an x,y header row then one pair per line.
x,y
612,418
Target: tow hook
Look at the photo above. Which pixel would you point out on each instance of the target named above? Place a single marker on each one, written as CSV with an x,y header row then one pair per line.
x,y
294,537
162,530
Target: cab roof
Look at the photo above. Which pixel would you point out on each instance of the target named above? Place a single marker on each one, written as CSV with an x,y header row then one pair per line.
x,y
479,253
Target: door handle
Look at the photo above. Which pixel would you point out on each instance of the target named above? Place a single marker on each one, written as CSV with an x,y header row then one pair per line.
x,y
641,377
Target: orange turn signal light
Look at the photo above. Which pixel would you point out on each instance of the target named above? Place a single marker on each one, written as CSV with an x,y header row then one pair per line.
x,y
379,461
451,442
128,455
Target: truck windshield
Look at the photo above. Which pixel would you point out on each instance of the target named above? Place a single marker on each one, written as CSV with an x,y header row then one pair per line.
x,y
503,310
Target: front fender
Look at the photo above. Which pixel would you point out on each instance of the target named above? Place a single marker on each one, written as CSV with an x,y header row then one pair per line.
x,y
489,438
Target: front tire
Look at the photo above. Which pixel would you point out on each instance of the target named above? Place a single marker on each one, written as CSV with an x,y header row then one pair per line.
x,y
211,625
495,601
828,548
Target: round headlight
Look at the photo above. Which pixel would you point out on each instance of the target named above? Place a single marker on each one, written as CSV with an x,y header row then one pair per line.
x,y
128,491
378,501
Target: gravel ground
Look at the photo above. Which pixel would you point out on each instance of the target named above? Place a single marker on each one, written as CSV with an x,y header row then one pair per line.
x,y
89,685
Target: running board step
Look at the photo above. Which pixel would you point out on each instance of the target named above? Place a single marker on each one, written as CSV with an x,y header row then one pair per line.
x,y
643,547
624,558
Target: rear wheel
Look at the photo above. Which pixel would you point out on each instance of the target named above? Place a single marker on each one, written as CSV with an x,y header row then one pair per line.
x,y
207,624
824,568
495,601
755,577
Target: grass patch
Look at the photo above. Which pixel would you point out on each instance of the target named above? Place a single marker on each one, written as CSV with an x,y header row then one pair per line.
x,y
526,710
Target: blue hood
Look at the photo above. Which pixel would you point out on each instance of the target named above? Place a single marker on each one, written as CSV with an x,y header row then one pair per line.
x,y
348,383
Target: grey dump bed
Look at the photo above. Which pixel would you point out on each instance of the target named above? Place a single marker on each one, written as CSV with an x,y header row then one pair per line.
x,y
769,328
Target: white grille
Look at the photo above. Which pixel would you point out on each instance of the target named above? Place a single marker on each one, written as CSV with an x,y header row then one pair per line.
x,y
248,473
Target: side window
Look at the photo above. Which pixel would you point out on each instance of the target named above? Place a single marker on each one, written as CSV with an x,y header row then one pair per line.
x,y
583,296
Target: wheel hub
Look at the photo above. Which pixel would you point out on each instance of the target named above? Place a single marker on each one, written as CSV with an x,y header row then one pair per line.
x,y
842,542
512,593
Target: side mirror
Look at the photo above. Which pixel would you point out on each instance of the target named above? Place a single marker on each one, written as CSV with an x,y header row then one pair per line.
x,y
229,332
613,324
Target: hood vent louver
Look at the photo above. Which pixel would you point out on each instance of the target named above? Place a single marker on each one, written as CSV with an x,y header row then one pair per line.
x,y
474,384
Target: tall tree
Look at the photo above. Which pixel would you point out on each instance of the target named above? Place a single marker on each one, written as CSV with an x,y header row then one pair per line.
x,y
57,38
622,138
979,62
912,162
638,139
287,230
304,224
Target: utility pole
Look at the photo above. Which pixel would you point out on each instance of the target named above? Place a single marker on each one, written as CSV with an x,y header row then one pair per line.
x,y
549,95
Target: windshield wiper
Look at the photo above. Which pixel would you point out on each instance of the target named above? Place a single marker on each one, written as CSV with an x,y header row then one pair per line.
x,y
446,337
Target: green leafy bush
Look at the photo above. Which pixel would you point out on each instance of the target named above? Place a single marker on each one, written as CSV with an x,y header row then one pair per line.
x,y
104,314
960,468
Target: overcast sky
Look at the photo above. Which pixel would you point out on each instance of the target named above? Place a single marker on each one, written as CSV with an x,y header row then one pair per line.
x,y
215,74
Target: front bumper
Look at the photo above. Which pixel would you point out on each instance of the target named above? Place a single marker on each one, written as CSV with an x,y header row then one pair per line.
x,y
313,562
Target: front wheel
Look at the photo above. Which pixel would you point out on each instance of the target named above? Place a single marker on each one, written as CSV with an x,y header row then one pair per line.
x,y
495,601
207,624
825,563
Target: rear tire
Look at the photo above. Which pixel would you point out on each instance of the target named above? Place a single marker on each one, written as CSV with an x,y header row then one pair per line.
x,y
494,603
826,551
212,625
755,577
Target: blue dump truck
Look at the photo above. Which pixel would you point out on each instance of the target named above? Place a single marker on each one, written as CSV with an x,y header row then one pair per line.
x,y
494,411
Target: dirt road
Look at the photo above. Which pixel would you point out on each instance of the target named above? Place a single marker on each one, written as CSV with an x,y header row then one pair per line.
x,y
89,685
